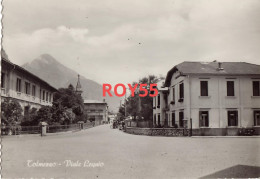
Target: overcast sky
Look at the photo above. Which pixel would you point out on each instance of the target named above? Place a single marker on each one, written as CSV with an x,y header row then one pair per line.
x,y
113,41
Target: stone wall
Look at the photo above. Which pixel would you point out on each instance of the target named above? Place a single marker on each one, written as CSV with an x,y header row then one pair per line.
x,y
186,132
158,131
222,131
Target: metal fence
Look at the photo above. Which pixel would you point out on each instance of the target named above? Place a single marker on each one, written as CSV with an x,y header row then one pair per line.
x,y
30,130
17,130
62,128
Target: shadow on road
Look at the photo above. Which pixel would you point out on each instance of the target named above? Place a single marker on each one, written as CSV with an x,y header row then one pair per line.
x,y
237,171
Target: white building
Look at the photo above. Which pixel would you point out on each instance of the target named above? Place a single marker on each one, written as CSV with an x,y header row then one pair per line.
x,y
160,105
215,98
28,89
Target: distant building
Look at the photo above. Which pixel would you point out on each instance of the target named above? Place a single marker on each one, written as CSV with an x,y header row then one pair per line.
x,y
28,89
96,111
216,97
112,118
78,87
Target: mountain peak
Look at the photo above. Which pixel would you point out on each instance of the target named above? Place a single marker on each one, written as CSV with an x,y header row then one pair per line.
x,y
47,58
59,76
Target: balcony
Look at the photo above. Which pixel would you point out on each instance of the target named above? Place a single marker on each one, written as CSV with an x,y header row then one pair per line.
x,y
172,102
180,100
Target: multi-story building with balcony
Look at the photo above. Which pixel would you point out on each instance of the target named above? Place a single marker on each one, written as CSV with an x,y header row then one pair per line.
x,y
28,89
212,98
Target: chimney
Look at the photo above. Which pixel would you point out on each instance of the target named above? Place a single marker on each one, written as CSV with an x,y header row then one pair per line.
x,y
163,85
220,66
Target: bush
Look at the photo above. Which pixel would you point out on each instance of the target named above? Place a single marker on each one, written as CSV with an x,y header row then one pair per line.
x,y
11,112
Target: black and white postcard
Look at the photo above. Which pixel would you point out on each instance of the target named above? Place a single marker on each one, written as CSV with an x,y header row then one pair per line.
x,y
130,89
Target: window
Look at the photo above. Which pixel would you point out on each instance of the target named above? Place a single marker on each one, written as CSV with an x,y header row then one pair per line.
x,y
203,88
47,96
159,119
18,85
204,118
256,88
257,118
173,95
181,91
33,90
230,88
158,101
50,97
43,95
3,80
27,88
181,119
173,119
165,96
232,118
154,118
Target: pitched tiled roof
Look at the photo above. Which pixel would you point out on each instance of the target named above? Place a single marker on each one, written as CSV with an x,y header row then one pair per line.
x,y
211,68
17,67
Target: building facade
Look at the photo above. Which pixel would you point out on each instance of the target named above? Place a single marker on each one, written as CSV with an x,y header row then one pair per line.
x,y
28,89
213,98
160,105
96,111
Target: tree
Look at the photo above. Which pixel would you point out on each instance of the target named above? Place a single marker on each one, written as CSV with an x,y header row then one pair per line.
x,y
31,120
141,107
64,100
67,97
44,115
11,115
11,112
122,109
133,106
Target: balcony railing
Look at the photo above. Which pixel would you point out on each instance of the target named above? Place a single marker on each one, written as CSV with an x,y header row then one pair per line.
x,y
180,100
172,102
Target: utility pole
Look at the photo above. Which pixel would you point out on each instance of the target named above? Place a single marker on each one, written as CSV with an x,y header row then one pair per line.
x,y
125,105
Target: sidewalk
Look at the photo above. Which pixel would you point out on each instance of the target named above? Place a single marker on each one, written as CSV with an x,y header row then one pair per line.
x,y
47,134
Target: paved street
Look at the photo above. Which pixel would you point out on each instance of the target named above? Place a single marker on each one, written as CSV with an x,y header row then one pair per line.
x,y
120,155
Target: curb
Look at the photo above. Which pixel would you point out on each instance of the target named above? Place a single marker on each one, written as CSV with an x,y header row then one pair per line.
x,y
39,135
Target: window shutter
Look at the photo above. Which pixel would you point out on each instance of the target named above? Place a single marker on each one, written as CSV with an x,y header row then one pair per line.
x,y
207,120
200,119
236,118
228,118
255,118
